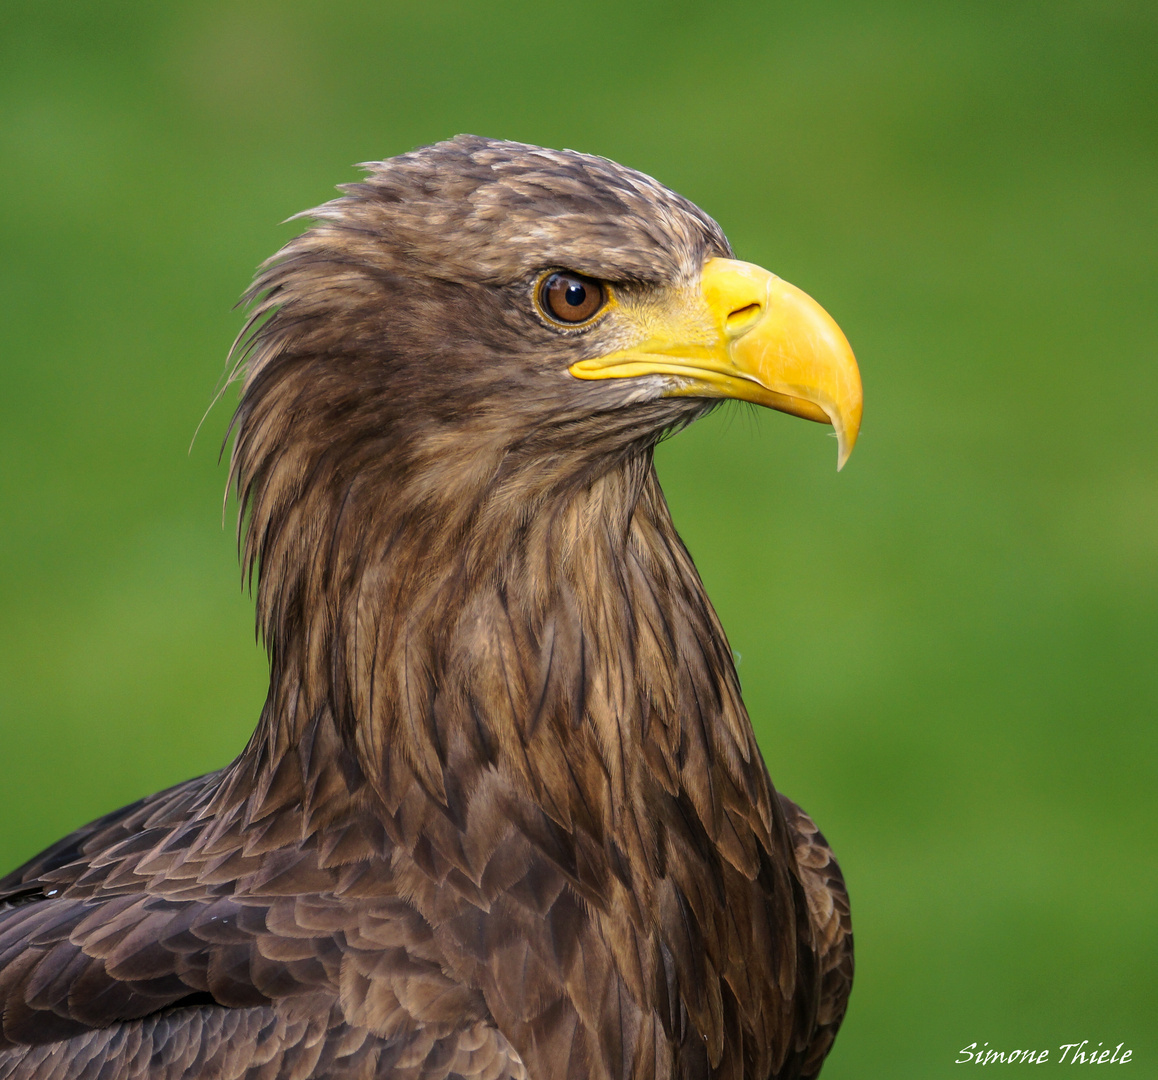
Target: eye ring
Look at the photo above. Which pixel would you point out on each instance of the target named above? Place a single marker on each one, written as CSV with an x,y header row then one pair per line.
x,y
570,299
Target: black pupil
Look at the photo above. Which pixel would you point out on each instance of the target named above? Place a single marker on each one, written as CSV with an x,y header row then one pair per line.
x,y
575,294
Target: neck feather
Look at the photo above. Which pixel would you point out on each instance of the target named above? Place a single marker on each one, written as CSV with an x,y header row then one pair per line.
x,y
558,633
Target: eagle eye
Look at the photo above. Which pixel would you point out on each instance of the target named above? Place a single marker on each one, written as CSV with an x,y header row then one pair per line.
x,y
571,298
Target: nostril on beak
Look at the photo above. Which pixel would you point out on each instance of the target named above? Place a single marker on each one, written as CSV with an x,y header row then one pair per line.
x,y
743,317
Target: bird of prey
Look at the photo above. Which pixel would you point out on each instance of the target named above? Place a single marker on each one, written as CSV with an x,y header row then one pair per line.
x,y
503,814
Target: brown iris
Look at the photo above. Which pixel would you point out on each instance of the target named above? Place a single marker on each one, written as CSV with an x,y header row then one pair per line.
x,y
571,298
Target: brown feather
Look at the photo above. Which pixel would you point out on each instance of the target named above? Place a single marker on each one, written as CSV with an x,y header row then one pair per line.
x,y
503,813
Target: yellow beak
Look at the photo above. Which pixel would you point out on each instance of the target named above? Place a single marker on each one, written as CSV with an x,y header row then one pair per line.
x,y
752,336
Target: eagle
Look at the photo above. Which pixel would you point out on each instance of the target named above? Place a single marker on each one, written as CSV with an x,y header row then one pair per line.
x,y
503,814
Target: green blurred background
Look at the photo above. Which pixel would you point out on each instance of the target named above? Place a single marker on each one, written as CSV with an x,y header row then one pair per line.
x,y
949,650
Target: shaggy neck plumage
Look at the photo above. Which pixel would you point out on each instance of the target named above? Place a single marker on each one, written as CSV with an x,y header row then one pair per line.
x,y
430,615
